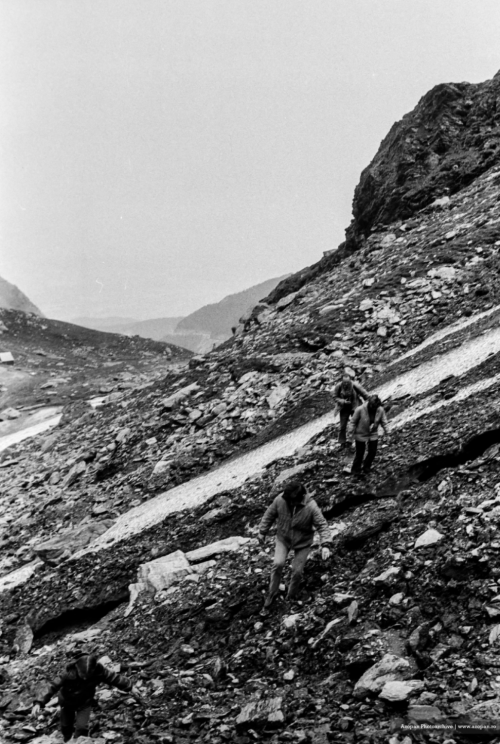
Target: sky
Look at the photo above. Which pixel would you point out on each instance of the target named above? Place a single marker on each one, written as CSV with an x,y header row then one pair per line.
x,y
159,155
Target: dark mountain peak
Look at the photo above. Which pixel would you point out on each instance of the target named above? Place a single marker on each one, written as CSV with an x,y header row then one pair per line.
x,y
451,137
447,141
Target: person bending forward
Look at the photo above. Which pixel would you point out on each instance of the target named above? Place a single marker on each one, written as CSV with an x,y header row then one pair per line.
x,y
297,516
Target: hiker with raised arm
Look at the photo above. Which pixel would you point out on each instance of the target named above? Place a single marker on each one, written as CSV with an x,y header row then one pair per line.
x,y
348,396
365,425
76,688
297,515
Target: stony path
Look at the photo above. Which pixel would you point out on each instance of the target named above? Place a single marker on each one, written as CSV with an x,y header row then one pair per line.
x,y
234,473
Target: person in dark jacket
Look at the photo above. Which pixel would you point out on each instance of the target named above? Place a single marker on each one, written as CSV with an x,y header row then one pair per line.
x,y
76,689
365,425
297,516
348,395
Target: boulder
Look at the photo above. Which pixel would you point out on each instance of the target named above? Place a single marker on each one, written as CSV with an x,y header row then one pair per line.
x,y
285,301
390,668
158,575
123,434
487,709
424,713
388,239
446,273
429,537
277,396
396,599
261,713
387,577
163,572
291,621
388,315
228,545
161,467
441,202
173,400
398,691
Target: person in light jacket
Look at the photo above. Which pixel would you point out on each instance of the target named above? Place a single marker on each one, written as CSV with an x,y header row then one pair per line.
x,y
365,425
348,395
297,516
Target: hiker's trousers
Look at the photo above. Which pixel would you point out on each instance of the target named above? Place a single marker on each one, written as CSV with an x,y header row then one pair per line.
x,y
74,722
298,563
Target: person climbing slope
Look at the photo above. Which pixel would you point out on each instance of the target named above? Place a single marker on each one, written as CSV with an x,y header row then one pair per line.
x,y
365,424
348,395
77,687
297,516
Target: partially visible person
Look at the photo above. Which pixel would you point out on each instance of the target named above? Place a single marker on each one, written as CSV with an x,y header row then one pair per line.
x,y
76,688
348,395
297,516
365,425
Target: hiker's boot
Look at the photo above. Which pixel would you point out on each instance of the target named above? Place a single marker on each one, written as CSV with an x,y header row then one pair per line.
x,y
266,610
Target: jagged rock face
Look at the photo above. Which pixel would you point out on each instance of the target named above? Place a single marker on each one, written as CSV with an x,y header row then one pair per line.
x,y
450,138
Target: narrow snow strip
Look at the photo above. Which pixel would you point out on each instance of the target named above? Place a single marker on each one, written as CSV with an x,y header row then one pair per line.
x,y
459,325
424,407
456,362
234,473
20,576
31,430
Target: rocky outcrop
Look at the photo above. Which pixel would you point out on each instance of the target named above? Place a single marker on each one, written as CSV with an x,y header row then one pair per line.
x,y
450,138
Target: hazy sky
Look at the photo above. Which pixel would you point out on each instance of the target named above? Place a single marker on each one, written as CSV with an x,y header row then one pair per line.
x,y
157,155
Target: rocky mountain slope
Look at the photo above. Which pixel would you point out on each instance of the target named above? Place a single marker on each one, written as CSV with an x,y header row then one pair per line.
x,y
57,364
13,299
401,626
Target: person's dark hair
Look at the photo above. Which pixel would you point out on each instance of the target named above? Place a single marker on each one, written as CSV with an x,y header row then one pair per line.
x,y
374,401
346,382
294,489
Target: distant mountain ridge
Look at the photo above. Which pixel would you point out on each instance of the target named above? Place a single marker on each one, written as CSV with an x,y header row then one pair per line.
x,y
200,331
156,328
12,298
218,318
